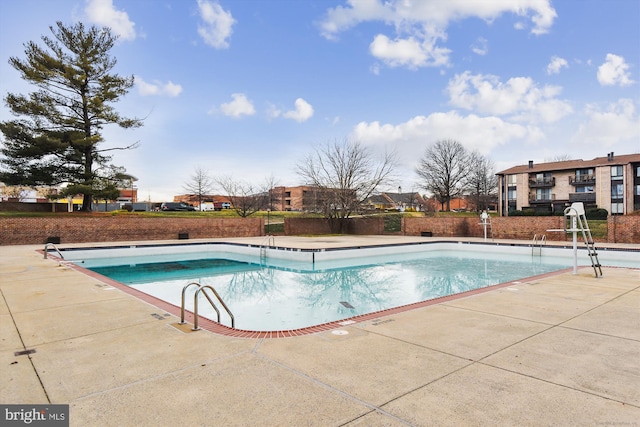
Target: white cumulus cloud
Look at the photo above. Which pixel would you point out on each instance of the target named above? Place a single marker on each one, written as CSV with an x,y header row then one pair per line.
x,y
518,97
157,88
556,65
303,111
409,52
420,26
238,107
217,24
615,71
473,131
617,123
103,13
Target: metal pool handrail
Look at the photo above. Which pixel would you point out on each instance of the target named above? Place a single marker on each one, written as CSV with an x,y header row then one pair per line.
x,y
270,241
46,248
195,304
541,242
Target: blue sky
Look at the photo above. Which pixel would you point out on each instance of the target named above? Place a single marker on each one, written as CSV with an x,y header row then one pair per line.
x,y
248,88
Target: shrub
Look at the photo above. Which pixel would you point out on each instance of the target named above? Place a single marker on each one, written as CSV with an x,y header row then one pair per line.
x,y
596,213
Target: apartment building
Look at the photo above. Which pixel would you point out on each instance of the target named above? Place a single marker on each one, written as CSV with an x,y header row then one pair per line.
x,y
299,198
611,183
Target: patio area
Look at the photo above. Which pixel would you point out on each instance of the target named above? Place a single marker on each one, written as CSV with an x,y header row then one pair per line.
x,y
559,350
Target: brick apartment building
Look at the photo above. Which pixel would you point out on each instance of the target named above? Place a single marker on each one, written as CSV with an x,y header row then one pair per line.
x,y
297,199
611,183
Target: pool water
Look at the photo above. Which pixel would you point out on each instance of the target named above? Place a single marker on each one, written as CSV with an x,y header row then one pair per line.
x,y
268,297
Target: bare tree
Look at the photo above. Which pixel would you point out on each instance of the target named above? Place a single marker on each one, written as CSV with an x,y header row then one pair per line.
x,y
199,185
443,170
345,174
481,181
18,192
270,183
246,199
558,158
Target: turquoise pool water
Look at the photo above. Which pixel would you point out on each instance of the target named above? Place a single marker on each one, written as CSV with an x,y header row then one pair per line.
x,y
294,295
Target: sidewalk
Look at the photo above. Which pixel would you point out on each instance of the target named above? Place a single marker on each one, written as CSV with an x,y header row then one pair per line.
x,y
562,350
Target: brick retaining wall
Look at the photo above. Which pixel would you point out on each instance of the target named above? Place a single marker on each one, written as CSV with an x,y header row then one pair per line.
x,y
523,228
78,229
361,226
623,229
75,229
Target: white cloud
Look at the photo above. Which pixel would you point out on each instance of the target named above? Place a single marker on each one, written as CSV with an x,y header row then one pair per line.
x,y
273,112
103,13
556,65
617,123
342,18
169,89
480,46
421,25
474,132
303,111
238,107
518,97
218,23
409,52
614,72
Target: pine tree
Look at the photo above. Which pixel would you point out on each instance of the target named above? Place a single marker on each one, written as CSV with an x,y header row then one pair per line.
x,y
56,137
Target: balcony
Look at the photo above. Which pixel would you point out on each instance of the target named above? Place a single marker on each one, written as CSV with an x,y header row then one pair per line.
x,y
582,180
582,197
542,182
533,200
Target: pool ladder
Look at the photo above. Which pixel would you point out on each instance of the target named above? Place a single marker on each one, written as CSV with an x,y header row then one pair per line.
x,y
51,245
203,289
270,241
539,243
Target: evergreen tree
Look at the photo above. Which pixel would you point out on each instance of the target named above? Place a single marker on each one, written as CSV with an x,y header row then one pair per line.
x,y
56,138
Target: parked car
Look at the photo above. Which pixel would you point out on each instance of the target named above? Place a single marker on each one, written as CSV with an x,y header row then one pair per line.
x,y
215,206
175,206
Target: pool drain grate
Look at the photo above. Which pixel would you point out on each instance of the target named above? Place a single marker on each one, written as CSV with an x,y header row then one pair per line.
x,y
346,304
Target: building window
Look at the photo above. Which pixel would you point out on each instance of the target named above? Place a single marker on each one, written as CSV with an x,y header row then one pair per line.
x,y
511,179
617,191
584,172
617,208
511,195
543,194
616,172
637,187
584,189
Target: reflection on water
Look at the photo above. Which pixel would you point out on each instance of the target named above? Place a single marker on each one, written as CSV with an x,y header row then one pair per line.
x,y
268,298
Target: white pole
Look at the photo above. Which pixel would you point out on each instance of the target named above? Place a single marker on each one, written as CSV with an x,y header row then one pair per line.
x,y
574,226
484,217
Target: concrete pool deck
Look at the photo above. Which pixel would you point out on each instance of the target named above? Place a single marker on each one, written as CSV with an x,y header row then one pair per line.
x,y
557,350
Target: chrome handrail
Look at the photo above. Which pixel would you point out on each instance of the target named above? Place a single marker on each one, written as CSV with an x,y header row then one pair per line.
x,y
195,304
46,247
270,240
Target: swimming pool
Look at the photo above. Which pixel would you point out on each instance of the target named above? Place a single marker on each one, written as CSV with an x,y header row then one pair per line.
x,y
286,289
